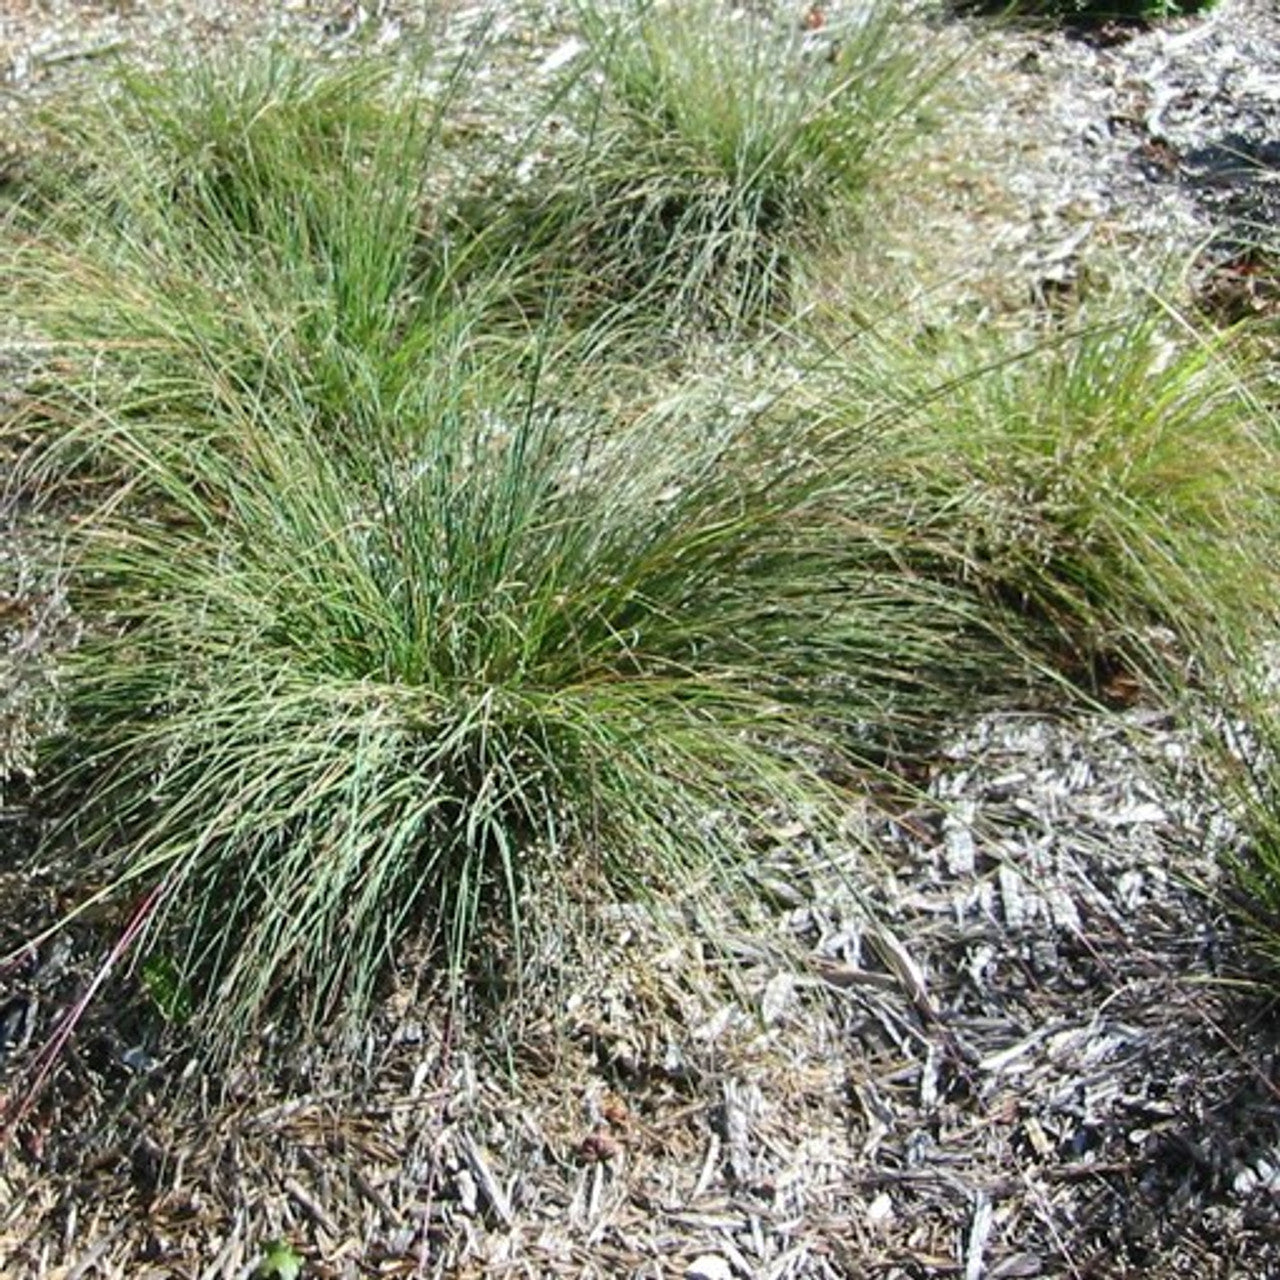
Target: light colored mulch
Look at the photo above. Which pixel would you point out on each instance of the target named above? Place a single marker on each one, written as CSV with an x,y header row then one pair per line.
x,y
1030,1059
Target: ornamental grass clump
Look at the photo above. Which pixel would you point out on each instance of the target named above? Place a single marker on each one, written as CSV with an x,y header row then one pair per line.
x,y
408,624
238,230
713,146
1118,489
328,703
399,625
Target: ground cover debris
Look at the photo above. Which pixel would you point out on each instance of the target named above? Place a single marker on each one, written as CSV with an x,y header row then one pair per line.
x,y
939,970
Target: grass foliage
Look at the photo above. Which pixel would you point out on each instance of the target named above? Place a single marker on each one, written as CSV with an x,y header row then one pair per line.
x,y
246,231
709,148
394,619
1118,488
406,617
338,698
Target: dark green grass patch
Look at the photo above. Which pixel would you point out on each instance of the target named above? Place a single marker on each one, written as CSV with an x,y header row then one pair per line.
x,y
1089,12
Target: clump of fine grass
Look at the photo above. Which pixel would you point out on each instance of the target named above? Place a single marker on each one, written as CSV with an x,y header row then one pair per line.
x,y
383,638
712,147
338,702
1115,488
254,227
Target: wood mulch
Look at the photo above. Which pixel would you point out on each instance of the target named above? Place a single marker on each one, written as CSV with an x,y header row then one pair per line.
x,y
1027,1046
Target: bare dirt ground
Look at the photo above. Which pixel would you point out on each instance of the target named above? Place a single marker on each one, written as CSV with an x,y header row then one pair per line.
x,y
1025,1051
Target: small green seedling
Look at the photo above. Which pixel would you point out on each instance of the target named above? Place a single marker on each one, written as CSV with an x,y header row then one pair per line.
x,y
279,1262
168,989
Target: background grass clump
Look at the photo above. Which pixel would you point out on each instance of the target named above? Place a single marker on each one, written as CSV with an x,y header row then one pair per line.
x,y
1117,488
707,149
246,229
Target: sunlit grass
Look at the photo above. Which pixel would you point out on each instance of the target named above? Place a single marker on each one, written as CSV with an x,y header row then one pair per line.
x,y
708,149
329,700
400,622
241,230
411,618
1116,487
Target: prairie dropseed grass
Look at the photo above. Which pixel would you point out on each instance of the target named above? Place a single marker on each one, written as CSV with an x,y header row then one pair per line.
x,y
709,148
409,616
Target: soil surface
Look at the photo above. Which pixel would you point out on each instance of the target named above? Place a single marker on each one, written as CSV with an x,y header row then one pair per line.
x,y
1024,1051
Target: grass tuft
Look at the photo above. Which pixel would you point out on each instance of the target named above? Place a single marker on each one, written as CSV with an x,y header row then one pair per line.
x,y
327,701
1115,488
244,231
710,149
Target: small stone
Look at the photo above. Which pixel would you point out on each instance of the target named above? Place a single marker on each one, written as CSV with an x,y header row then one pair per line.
x,y
562,56
777,996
